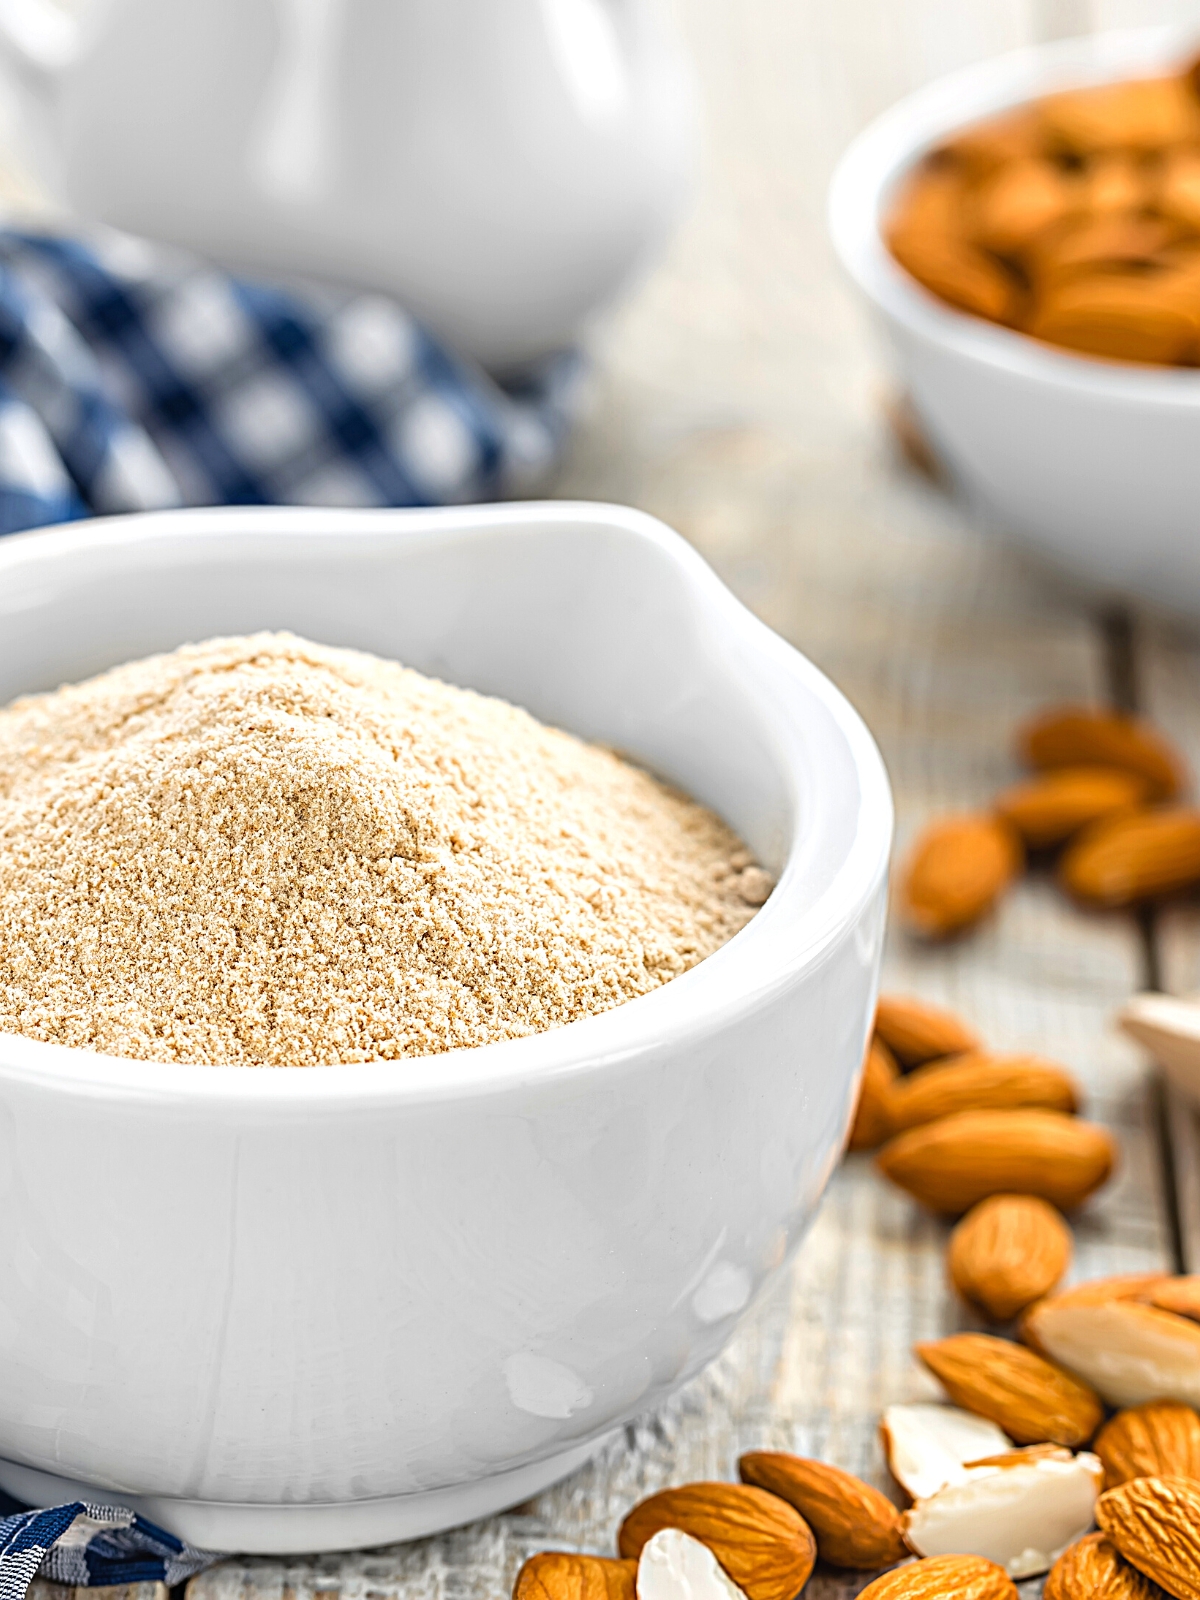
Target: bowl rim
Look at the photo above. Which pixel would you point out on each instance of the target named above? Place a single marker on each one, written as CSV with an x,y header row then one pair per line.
x,y
679,1011
879,156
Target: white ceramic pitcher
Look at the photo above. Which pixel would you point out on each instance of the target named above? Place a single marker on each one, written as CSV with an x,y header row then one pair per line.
x,y
502,166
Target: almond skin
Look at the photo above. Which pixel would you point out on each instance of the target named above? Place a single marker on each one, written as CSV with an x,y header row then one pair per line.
x,y
855,1525
1007,1252
1180,1295
1048,809
916,1032
943,1578
763,1543
872,1124
1034,1401
952,1164
1155,1524
1160,1439
1074,736
1131,858
956,870
1093,1569
559,1575
980,1081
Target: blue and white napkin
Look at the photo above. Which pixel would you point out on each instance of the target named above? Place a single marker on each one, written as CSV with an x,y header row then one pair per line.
x,y
89,1546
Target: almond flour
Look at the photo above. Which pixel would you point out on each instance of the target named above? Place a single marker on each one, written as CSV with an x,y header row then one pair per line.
x,y
266,852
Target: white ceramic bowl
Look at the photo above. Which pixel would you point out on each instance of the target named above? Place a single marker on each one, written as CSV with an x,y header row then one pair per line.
x,y
285,1310
1094,464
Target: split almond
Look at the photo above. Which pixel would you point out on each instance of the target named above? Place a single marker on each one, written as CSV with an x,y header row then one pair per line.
x,y
674,1566
927,1446
952,1164
1048,809
855,1526
560,1575
1073,736
1129,1352
916,1032
980,1081
1160,1439
1007,1252
762,1543
1155,1524
872,1123
1138,857
956,871
1094,1569
1033,1400
943,1578
1021,1512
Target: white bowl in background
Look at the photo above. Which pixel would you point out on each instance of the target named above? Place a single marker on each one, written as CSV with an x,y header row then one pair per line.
x,y
312,1309
1094,464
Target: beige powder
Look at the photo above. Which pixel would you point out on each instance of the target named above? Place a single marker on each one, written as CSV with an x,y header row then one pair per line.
x,y
266,852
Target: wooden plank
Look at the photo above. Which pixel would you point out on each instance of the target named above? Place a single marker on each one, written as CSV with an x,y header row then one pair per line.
x,y
40,1589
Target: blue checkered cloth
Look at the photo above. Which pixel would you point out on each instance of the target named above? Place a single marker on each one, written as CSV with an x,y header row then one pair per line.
x,y
134,377
89,1545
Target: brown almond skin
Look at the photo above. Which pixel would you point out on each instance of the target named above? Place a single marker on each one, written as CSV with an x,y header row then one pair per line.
x,y
1155,1524
1073,736
1047,810
916,1032
1160,1439
872,1124
560,1575
1142,856
952,1164
855,1525
954,873
1029,1397
1007,1252
943,1578
980,1081
1093,1569
763,1543
1180,1295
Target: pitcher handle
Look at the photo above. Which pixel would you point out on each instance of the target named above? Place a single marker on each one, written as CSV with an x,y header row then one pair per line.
x,y
37,37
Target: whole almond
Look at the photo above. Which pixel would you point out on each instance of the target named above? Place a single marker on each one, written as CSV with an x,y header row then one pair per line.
x,y
1074,736
980,1081
1029,1397
1137,857
916,1032
763,1543
943,1578
1048,809
1007,1252
955,872
855,1525
1155,1524
872,1125
1160,1439
1180,1295
560,1575
952,1164
1093,1569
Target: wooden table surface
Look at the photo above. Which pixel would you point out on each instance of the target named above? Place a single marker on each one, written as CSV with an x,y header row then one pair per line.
x,y
737,396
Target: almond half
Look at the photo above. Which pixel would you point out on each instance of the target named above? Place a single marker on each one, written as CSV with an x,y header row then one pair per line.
x,y
943,1578
916,1032
1129,1352
1160,1439
674,1566
1155,1524
1007,1252
855,1525
561,1575
927,1445
1094,1569
1031,1399
980,1081
763,1543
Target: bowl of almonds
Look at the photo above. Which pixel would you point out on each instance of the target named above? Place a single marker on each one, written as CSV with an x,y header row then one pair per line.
x,y
1028,232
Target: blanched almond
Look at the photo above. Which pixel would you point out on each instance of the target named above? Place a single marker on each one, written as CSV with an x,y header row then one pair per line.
x,y
1048,809
1094,1569
943,1578
1029,1397
1007,1252
1155,1524
1137,857
1073,736
927,1445
916,1032
1160,1439
855,1526
763,1543
955,871
872,1123
561,1575
1130,1352
980,1081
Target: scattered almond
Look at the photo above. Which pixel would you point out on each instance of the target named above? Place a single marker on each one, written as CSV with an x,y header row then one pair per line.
x,y
855,1526
1093,1569
1129,1352
1007,1252
1021,1512
1180,1295
955,872
1160,1439
1029,1397
943,1578
1048,809
1073,736
979,1081
952,1164
872,1124
1134,857
916,1032
762,1543
674,1566
927,1446
1155,1524
560,1575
